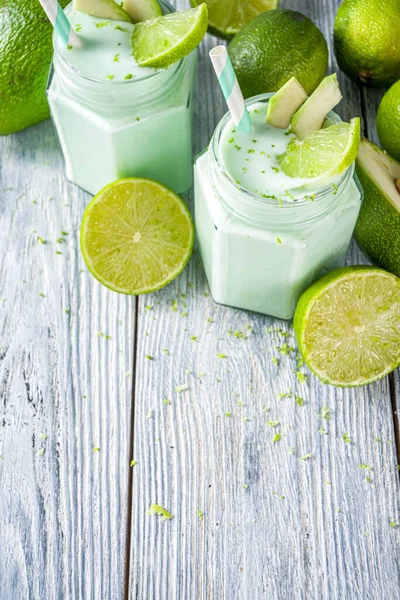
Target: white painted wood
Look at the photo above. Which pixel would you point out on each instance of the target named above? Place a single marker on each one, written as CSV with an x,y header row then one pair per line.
x,y
329,537
62,506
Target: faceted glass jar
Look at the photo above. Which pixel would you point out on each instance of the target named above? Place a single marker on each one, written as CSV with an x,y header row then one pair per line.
x,y
259,254
135,128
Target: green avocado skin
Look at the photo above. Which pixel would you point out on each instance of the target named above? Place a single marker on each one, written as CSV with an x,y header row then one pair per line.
x,y
25,56
377,229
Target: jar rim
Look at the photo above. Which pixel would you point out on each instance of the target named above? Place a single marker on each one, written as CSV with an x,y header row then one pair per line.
x,y
169,9
237,188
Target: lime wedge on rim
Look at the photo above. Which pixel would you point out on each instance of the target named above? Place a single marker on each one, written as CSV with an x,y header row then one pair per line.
x,y
136,236
325,153
347,325
227,17
162,41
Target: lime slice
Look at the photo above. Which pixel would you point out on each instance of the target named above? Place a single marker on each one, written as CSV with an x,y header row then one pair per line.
x,y
165,40
324,153
347,325
227,17
136,236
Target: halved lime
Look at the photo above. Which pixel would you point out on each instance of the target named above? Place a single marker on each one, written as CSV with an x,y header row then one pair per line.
x,y
227,17
347,325
162,41
325,153
136,236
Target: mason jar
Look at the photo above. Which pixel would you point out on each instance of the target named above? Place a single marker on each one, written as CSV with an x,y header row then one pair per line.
x,y
260,254
140,127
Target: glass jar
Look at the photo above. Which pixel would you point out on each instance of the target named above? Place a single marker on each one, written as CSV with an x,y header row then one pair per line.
x,y
135,128
259,254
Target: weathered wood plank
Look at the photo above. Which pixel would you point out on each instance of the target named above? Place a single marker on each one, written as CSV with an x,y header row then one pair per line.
x,y
301,529
64,390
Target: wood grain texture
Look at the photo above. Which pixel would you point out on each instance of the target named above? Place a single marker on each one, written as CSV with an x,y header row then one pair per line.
x,y
274,526
64,389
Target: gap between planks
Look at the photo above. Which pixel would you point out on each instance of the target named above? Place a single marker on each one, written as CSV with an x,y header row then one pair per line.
x,y
130,454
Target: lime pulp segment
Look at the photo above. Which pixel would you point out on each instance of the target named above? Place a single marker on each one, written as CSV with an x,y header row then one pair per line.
x,y
162,41
227,17
347,325
136,236
326,152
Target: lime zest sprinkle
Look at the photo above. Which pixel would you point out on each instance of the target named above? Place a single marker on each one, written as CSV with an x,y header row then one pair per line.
x,y
227,414
393,524
116,58
181,388
273,423
306,456
219,355
165,351
291,450
133,463
110,77
346,438
41,240
299,401
279,241
200,513
364,466
277,437
325,413
156,509
245,486
166,401
102,24
96,449
302,377
40,452
43,436
119,28
149,357
128,76
193,338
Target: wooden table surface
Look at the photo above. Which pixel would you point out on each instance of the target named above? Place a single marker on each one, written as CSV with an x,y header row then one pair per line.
x,y
74,376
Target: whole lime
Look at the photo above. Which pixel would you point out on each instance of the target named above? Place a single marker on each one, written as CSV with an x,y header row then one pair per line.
x,y
25,57
367,40
276,46
388,121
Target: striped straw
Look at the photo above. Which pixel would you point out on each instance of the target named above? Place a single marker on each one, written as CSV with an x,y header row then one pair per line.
x,y
60,22
230,88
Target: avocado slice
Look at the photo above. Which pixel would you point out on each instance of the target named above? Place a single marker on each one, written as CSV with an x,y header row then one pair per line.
x,y
104,9
142,10
284,103
377,230
311,116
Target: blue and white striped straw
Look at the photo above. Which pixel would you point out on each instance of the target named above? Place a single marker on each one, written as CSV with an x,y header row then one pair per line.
x,y
60,22
230,88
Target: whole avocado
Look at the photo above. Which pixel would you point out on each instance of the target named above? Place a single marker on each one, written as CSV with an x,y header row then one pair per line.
x,y
275,46
367,40
25,57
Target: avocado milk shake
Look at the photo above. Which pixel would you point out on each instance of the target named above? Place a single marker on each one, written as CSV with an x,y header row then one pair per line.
x,y
117,119
265,236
